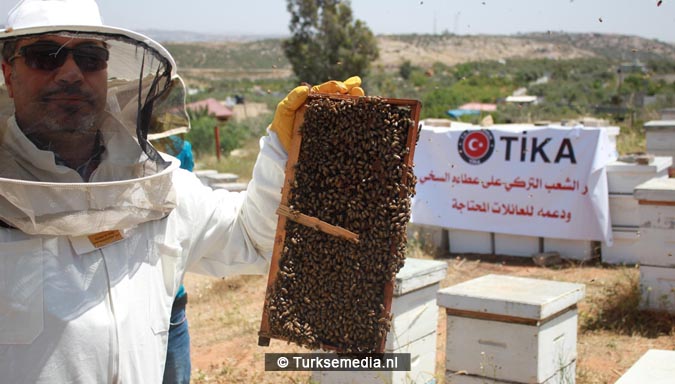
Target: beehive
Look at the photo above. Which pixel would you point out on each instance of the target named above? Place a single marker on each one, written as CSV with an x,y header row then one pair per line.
x,y
656,366
656,199
625,248
341,234
623,177
413,328
510,329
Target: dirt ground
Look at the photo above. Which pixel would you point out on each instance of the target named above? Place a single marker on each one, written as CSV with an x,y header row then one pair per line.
x,y
224,317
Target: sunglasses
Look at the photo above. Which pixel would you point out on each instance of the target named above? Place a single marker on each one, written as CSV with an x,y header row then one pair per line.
x,y
47,56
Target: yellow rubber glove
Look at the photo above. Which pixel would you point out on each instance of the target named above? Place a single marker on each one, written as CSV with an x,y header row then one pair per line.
x,y
351,86
284,117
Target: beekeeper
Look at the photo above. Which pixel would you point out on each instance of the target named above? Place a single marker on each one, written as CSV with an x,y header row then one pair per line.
x,y
96,226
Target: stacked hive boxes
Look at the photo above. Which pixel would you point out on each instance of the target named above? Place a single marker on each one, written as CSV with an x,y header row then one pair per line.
x,y
506,329
413,328
656,199
661,139
622,178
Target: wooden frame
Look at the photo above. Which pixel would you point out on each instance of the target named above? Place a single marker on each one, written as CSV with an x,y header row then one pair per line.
x,y
286,213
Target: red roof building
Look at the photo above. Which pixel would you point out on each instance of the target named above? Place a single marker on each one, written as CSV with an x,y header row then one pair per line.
x,y
213,107
479,107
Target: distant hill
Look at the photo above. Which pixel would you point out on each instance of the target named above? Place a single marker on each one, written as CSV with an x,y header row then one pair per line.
x,y
235,56
165,36
453,49
425,50
615,47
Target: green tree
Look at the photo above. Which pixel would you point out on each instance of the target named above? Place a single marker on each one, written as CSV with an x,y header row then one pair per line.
x,y
202,134
405,69
326,42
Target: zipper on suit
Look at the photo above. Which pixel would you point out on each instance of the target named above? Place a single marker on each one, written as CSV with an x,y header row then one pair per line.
x,y
114,353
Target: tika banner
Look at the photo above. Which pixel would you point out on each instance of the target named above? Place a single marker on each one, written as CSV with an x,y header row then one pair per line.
x,y
515,179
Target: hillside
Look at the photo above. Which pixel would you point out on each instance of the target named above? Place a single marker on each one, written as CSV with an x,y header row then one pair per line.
x,y
614,47
265,57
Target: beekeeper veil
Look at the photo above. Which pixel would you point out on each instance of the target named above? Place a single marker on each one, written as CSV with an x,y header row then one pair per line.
x,y
77,106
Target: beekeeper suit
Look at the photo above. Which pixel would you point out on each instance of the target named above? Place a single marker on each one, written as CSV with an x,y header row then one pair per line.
x,y
96,226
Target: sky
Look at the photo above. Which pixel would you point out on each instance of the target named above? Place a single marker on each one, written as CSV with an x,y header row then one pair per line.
x,y
644,18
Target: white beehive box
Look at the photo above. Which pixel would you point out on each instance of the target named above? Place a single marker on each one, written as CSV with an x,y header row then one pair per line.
x,y
657,286
654,367
623,177
566,375
623,211
422,366
203,173
656,200
656,214
414,310
219,178
625,248
413,327
232,187
463,241
511,328
570,249
657,247
516,245
660,136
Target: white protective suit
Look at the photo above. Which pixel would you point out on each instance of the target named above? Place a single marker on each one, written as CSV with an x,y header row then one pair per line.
x,y
81,309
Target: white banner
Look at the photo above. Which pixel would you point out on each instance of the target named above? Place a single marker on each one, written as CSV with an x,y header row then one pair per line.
x,y
515,179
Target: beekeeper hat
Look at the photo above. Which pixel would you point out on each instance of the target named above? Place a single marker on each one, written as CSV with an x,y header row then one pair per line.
x,y
144,96
35,17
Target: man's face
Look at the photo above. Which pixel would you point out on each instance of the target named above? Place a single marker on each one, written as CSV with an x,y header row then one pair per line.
x,y
65,99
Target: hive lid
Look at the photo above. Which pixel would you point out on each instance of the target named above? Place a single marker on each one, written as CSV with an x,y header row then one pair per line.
x,y
656,125
419,273
511,296
659,164
657,189
654,367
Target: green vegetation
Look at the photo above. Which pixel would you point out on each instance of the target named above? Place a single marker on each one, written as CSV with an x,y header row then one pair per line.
x,y
240,162
619,311
268,91
326,42
567,88
260,55
617,48
232,134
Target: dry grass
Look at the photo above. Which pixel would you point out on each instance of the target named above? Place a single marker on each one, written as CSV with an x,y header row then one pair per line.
x,y
225,315
631,140
241,162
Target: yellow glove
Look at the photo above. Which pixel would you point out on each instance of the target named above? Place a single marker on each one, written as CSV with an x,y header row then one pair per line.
x,y
284,116
351,86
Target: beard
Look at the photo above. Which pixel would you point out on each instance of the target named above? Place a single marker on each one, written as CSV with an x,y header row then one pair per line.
x,y
70,124
62,109
75,122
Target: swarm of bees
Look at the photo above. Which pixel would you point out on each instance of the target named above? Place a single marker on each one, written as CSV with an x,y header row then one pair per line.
x,y
353,171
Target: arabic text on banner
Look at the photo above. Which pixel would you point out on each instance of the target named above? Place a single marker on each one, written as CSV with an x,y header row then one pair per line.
x,y
515,179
